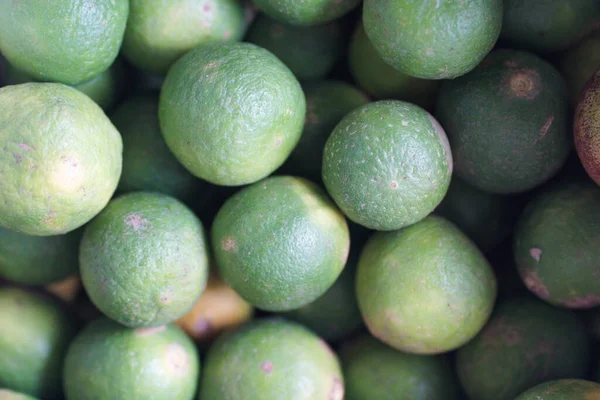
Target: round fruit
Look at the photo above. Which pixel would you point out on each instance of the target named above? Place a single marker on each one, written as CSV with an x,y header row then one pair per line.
x,y
580,63
556,245
327,102
526,342
218,309
271,359
548,25
280,243
381,80
564,389
109,361
6,394
486,218
67,41
105,88
308,51
387,164
62,158
161,31
586,127
373,370
148,164
334,315
433,39
231,113
424,289
144,259
306,12
34,337
507,122
38,260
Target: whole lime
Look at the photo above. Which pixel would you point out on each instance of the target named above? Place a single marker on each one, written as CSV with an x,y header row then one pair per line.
x,y
387,164
61,161
66,41
271,359
160,31
280,243
433,39
109,361
424,289
143,259
231,113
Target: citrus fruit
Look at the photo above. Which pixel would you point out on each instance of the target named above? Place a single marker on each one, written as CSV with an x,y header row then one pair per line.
x,y
280,242
507,122
231,113
373,370
109,361
526,342
271,359
62,158
556,244
424,289
66,41
387,164
143,259
433,39
161,31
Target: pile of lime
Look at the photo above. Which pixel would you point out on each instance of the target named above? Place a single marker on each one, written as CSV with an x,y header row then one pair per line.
x,y
300,200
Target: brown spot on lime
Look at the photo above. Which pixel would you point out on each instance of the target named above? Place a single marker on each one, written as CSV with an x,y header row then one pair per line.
x,y
337,389
267,366
203,326
534,284
278,141
583,302
136,221
25,147
150,331
176,357
524,83
535,253
546,126
18,158
228,244
394,185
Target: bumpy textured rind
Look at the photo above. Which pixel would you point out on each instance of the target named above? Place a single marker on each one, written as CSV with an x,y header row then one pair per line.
x,y
69,41
60,159
424,289
433,39
231,113
144,259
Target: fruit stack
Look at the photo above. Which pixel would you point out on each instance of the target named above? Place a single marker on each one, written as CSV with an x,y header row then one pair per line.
x,y
300,200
